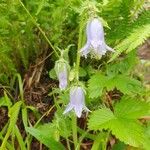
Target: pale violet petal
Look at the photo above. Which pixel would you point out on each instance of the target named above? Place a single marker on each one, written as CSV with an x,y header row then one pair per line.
x,y
85,50
68,108
86,109
63,84
95,39
62,74
78,111
77,101
96,30
109,48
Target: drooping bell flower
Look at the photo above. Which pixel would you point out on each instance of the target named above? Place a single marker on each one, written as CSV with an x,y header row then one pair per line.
x,y
61,69
95,40
77,101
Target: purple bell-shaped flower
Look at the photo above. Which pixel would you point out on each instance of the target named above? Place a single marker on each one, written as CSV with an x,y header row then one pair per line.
x,y
95,40
61,69
77,101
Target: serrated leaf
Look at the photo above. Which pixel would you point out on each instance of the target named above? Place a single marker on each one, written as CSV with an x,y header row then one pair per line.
x,y
96,85
101,119
131,108
123,122
63,125
136,38
128,131
125,84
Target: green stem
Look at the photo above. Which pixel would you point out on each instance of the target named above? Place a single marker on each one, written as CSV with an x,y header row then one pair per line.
x,y
74,118
68,144
74,130
78,52
37,25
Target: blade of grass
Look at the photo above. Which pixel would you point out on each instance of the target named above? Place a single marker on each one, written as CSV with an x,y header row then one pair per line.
x,y
20,139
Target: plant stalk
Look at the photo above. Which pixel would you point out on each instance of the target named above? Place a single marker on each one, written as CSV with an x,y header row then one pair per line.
x,y
74,118
74,130
40,29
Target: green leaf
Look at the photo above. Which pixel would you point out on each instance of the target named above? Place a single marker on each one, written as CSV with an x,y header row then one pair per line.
x,y
119,146
5,101
125,84
20,139
41,5
131,108
25,116
82,72
52,74
123,122
13,114
43,134
136,38
123,66
63,125
101,119
96,85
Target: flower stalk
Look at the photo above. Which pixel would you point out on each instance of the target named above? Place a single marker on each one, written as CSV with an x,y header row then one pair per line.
x,y
74,118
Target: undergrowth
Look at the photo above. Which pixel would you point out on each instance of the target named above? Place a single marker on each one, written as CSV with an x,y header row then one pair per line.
x,y
34,33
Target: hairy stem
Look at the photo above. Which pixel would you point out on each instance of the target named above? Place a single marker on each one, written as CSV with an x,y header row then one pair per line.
x,y
74,131
78,52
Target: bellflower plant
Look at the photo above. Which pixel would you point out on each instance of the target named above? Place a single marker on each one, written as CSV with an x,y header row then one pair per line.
x,y
61,68
77,101
95,40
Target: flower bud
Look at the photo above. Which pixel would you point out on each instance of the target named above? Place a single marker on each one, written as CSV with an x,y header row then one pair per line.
x,y
61,68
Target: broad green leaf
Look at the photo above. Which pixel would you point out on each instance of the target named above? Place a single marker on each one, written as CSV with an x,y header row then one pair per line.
x,y
101,119
119,146
125,84
96,85
123,122
127,130
131,108
44,136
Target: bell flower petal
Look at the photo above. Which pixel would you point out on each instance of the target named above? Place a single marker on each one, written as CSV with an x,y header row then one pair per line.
x,y
77,101
95,40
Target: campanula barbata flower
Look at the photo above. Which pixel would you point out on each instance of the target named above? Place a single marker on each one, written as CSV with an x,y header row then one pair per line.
x,y
77,101
61,69
95,40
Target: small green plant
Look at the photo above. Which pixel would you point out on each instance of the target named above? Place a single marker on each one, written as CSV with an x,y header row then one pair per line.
x,y
100,99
